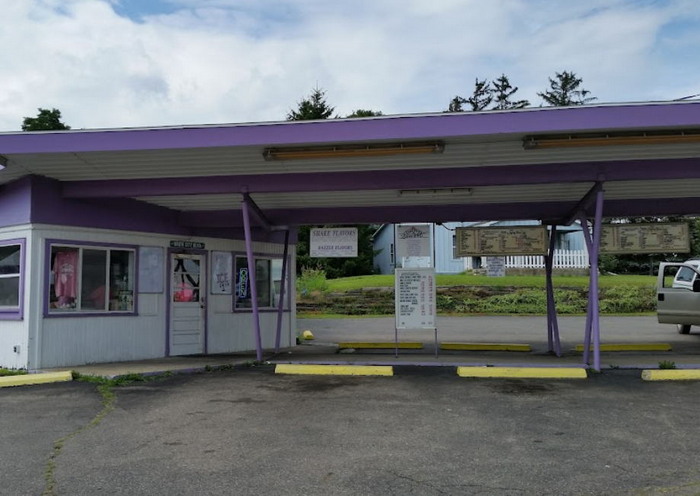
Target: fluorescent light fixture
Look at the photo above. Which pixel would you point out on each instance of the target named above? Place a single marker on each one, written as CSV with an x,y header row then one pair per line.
x,y
434,192
349,151
611,139
3,162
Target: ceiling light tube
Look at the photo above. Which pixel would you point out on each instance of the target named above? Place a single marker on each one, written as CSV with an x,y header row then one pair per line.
x,y
574,141
349,151
432,192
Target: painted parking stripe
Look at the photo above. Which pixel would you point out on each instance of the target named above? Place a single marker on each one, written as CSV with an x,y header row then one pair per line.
x,y
486,346
630,347
43,378
524,372
671,375
405,345
308,369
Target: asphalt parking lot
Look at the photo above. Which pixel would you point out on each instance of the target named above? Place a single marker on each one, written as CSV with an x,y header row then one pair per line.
x,y
422,432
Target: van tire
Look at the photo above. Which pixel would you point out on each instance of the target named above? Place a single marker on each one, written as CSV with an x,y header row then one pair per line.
x,y
683,328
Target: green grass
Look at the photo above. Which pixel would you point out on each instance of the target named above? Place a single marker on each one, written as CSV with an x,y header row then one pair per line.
x,y
6,372
378,281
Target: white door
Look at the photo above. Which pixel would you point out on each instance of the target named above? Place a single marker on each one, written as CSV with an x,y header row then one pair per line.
x,y
187,290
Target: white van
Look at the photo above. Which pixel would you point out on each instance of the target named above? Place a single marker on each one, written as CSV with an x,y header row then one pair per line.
x,y
678,294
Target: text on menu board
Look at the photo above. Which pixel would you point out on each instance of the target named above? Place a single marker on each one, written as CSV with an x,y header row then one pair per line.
x,y
645,238
334,242
415,298
512,240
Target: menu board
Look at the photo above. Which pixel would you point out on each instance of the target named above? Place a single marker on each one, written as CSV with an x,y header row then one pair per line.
x,y
645,238
512,240
415,298
333,242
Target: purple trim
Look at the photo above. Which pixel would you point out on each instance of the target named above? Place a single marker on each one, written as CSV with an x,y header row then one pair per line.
x,y
17,314
48,207
280,307
168,294
593,295
618,170
538,120
80,244
252,280
15,203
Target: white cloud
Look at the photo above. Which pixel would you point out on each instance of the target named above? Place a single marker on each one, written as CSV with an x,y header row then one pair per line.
x,y
208,61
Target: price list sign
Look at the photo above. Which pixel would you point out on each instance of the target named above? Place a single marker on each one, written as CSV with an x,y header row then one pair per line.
x,y
645,238
495,241
415,298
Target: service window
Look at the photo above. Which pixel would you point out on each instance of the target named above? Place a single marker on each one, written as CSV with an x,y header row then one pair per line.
x,y
91,279
10,274
268,279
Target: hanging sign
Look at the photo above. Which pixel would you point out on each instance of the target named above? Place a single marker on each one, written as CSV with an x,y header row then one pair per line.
x,y
193,245
413,240
221,272
415,297
512,240
333,242
645,238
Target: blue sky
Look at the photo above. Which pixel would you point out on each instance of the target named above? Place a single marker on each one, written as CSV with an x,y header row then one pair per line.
x,y
125,63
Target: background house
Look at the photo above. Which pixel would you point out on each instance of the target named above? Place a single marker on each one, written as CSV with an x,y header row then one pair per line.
x,y
570,250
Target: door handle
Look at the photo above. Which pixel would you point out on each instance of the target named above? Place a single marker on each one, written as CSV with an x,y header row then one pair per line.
x,y
661,297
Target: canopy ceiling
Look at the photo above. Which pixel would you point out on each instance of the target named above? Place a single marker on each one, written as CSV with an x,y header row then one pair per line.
x,y
478,166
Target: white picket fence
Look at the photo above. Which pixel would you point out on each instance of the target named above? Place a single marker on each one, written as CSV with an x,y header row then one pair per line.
x,y
574,259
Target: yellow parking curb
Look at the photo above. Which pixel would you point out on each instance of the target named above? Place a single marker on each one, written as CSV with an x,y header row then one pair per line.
x,y
630,347
43,378
671,375
524,372
486,346
382,345
307,369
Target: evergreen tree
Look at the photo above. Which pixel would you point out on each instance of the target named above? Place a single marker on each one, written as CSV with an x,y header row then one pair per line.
x,y
312,108
503,91
565,91
456,104
46,120
482,96
364,113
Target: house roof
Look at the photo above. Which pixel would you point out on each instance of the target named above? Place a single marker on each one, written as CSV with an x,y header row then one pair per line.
x,y
485,170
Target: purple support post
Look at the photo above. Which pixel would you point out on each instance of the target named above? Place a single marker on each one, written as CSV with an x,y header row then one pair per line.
x,y
587,330
552,324
595,313
251,279
280,308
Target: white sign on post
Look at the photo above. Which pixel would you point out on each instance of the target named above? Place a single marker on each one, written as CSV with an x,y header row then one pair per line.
x,y
333,242
415,296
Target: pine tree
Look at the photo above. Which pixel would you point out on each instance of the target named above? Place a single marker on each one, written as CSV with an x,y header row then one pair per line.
x,y
502,93
312,108
482,96
564,91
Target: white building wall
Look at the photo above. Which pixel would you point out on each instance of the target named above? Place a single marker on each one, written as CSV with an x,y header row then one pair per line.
x,y
14,334
62,341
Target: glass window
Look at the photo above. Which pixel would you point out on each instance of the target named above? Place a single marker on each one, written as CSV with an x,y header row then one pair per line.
x,y
91,279
268,279
10,261
685,274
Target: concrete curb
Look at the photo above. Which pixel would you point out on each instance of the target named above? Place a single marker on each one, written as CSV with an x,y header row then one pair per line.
x,y
381,345
302,369
41,378
671,375
523,372
629,347
486,346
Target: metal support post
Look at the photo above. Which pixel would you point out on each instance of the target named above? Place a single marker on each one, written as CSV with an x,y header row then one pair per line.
x,y
553,341
251,280
280,308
